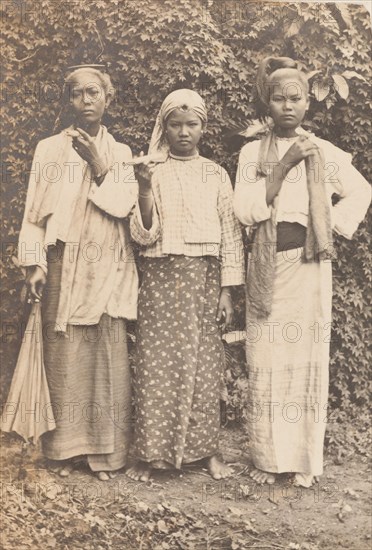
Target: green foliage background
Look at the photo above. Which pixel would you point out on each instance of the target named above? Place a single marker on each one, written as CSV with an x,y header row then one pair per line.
x,y
155,46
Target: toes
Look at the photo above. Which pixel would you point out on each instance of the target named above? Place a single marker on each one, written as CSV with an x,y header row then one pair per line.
x,y
270,480
139,472
226,472
103,476
262,477
303,480
217,469
65,471
132,474
256,475
144,477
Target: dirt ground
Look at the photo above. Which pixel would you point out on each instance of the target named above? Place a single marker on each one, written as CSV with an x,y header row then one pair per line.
x,y
181,510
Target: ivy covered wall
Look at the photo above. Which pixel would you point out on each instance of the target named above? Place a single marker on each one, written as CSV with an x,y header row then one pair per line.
x,y
152,47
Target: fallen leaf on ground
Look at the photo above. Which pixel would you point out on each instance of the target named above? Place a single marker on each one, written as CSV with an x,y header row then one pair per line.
x,y
162,526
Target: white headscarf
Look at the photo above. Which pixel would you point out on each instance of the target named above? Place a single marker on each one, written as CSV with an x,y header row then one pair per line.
x,y
185,100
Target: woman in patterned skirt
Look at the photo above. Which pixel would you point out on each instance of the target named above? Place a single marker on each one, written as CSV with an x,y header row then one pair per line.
x,y
191,256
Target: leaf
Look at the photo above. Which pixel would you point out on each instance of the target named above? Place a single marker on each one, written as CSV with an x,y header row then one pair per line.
x,y
294,28
162,526
321,89
341,86
235,511
312,73
142,506
353,74
249,527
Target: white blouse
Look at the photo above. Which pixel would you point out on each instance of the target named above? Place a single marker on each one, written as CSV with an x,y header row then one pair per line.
x,y
193,216
341,179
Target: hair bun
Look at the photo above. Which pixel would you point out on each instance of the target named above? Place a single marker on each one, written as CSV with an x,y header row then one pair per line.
x,y
281,63
266,67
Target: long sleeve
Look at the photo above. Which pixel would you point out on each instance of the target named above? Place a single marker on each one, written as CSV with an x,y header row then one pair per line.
x,y
32,237
118,192
142,236
354,192
250,192
231,252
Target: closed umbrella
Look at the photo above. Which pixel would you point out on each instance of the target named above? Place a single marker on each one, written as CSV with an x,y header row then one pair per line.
x,y
28,409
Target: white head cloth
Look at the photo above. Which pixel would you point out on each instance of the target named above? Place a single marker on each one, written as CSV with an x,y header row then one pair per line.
x,y
185,100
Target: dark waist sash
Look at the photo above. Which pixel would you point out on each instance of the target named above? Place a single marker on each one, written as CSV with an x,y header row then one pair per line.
x,y
290,235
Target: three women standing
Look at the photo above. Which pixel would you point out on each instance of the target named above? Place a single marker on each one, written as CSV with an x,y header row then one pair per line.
x,y
191,253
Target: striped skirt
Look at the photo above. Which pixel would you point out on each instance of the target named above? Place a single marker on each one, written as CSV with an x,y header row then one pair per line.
x,y
179,360
288,357
89,381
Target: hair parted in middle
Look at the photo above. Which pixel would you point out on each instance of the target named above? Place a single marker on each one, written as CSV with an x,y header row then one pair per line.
x,y
269,71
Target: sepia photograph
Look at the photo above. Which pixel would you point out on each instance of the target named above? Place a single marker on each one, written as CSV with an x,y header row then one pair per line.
x,y
185,275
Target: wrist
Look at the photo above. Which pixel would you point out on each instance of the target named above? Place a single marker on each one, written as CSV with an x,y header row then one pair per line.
x,y
145,193
99,168
285,166
226,291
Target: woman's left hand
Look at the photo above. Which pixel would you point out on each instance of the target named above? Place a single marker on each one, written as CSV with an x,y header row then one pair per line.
x,y
225,309
86,148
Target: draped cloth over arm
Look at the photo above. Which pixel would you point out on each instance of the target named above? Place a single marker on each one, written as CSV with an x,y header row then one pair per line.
x,y
99,273
91,289
318,236
287,344
251,208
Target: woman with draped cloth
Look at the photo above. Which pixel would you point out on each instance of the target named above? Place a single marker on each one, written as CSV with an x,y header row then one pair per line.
x,y
283,192
75,247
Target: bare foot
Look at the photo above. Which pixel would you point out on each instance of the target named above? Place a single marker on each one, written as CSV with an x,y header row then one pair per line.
x,y
105,476
217,468
66,470
305,480
161,465
141,471
262,477
61,467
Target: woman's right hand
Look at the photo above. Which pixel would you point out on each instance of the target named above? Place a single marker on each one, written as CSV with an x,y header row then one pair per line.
x,y
302,148
35,281
143,173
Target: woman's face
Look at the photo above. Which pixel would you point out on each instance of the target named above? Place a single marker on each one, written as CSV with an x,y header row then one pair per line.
x,y
183,131
88,99
288,102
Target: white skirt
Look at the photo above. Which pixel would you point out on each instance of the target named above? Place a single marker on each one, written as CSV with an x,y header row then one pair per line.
x,y
288,357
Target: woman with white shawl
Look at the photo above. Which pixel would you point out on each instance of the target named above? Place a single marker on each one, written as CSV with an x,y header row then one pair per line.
x,y
283,193
74,244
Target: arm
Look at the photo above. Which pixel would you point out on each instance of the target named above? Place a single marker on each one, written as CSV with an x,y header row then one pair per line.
x,y
354,192
31,253
32,237
249,201
117,193
139,233
231,252
253,196
145,224
145,197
